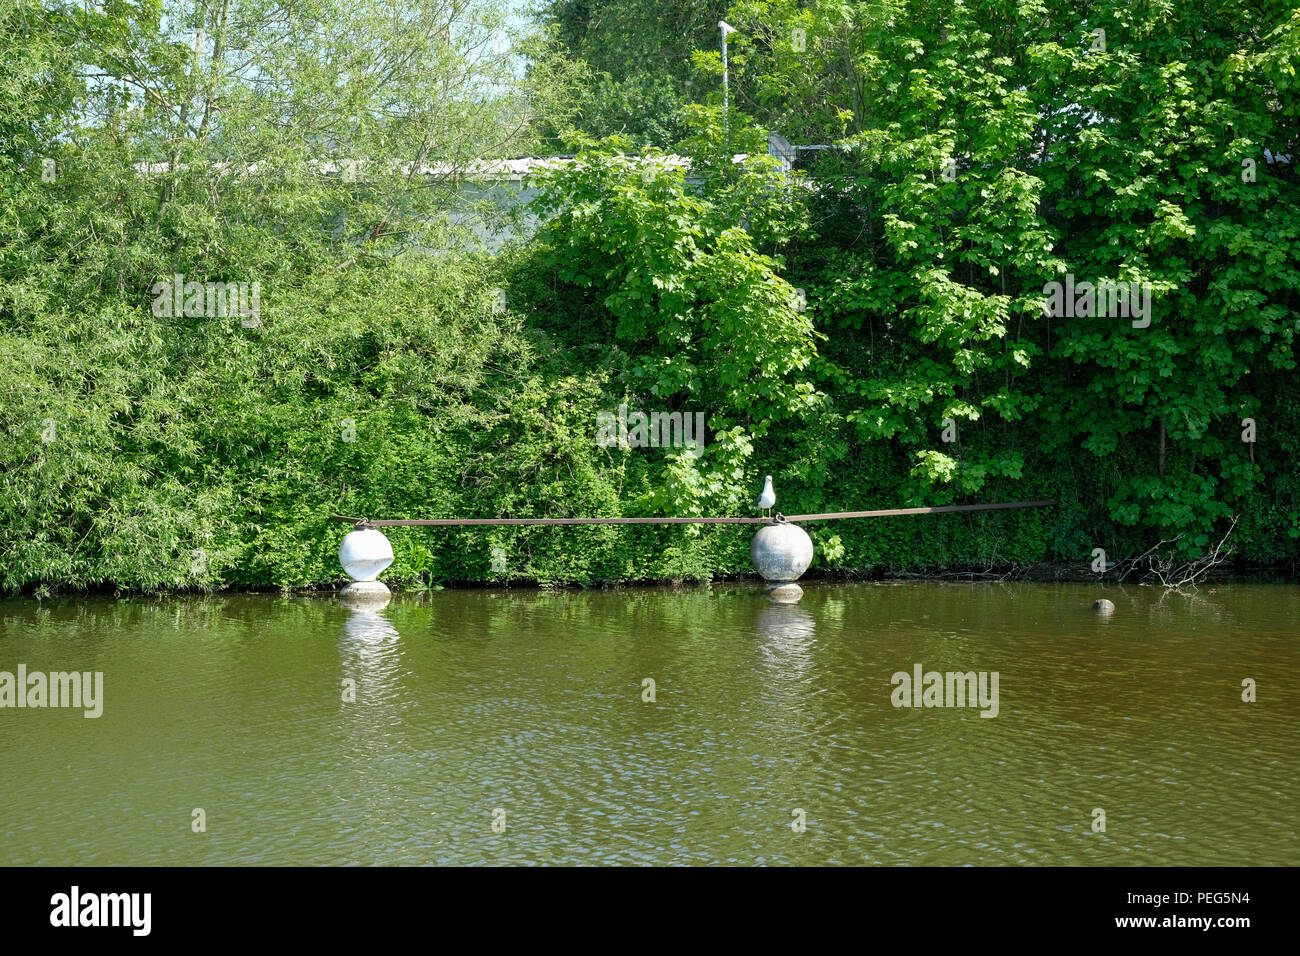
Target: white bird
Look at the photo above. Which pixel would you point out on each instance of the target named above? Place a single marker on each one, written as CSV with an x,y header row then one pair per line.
x,y
768,498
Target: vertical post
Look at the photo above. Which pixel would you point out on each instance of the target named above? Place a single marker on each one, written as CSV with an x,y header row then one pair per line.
x,y
726,28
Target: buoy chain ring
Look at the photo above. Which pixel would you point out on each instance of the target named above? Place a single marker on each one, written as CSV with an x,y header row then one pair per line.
x,y
779,518
362,525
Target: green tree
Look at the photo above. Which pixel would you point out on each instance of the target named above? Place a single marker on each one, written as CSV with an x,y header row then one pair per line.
x,y
700,318
636,55
315,149
1102,143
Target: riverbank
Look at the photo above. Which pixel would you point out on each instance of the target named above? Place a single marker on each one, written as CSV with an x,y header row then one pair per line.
x,y
1041,573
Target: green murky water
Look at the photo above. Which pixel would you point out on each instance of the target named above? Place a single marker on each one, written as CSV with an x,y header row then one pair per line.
x,y
526,708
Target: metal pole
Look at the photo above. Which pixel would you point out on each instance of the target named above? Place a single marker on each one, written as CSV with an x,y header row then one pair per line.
x,y
726,90
778,519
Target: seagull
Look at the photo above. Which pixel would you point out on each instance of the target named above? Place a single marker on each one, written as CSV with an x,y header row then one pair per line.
x,y
768,498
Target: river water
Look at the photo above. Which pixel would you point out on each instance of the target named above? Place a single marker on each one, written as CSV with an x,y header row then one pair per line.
x,y
516,727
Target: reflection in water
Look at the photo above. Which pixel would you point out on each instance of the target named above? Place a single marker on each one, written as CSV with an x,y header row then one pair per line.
x,y
788,634
370,657
366,628
787,643
370,653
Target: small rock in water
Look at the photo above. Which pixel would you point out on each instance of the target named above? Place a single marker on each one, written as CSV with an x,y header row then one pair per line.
x,y
786,592
365,594
1102,606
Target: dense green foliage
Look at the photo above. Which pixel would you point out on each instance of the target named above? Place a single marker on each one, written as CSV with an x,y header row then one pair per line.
x,y
635,60
870,331
1113,155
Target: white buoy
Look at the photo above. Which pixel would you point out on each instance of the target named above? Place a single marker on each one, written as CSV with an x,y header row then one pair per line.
x,y
364,554
781,553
